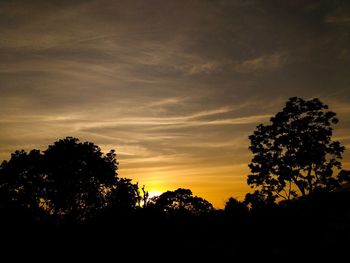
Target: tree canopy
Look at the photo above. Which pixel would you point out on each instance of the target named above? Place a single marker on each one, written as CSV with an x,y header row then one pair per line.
x,y
295,154
180,201
20,179
234,208
70,181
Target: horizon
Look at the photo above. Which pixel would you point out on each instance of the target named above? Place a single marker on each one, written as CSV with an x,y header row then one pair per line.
x,y
175,87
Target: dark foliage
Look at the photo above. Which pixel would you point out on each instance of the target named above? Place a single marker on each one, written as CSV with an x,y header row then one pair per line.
x,y
295,155
78,175
180,201
69,182
21,180
314,226
236,209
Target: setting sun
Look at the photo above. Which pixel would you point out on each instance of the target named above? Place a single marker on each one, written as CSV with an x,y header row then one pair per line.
x,y
153,193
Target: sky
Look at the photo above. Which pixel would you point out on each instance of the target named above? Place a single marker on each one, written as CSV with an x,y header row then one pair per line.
x,y
175,87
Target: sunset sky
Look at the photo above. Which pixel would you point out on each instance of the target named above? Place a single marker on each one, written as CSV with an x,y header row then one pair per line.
x,y
176,87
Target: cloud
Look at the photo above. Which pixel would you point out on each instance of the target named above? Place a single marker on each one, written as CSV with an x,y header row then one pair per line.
x,y
179,121
167,101
268,62
206,67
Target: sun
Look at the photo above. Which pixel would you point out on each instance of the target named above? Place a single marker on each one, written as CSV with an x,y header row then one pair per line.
x,y
153,193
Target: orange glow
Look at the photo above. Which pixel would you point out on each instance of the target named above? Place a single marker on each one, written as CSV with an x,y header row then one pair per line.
x,y
175,89
153,193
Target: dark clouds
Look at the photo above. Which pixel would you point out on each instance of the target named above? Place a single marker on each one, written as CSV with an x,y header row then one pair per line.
x,y
175,86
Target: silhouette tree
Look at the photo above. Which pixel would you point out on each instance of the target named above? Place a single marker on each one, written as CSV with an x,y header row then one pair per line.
x,y
259,200
144,196
78,176
123,198
124,195
71,181
235,208
180,201
21,180
294,155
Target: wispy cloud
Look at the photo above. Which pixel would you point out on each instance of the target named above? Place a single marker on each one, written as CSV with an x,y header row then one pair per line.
x,y
180,122
266,62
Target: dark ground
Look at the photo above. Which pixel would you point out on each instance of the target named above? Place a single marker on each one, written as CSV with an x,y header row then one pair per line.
x,y
314,229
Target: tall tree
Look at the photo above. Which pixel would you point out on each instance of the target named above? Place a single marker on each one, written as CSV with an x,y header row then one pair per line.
x,y
79,176
295,154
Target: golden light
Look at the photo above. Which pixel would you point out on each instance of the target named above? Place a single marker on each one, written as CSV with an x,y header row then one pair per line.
x,y
153,193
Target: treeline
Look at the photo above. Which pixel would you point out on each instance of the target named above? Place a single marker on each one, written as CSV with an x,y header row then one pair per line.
x,y
74,182
296,172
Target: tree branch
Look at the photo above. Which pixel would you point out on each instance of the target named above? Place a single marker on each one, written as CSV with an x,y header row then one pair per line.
x,y
285,198
296,182
309,179
290,188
